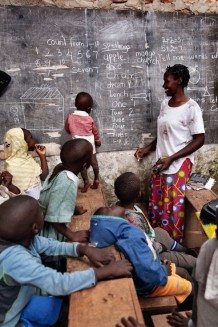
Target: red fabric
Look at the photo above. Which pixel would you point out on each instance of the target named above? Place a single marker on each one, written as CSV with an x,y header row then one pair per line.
x,y
82,125
167,200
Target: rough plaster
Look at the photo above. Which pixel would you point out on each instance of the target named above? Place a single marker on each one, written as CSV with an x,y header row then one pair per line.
x,y
112,164
194,6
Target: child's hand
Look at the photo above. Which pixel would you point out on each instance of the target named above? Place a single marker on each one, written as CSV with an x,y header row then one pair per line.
x,y
79,210
167,264
80,236
121,268
131,322
176,319
40,149
6,178
99,257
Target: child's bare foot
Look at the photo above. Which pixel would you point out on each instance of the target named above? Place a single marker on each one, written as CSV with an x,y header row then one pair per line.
x,y
85,188
95,184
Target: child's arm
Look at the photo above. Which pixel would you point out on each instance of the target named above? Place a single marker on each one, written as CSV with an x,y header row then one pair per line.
x,y
24,269
80,236
66,125
105,260
96,134
41,151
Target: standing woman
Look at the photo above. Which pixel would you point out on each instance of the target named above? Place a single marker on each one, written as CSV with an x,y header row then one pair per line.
x,y
180,132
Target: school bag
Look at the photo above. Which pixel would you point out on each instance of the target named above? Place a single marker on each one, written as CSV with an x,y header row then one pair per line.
x,y
208,212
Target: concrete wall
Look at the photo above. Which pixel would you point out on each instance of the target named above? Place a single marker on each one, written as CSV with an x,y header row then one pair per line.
x,y
195,6
112,164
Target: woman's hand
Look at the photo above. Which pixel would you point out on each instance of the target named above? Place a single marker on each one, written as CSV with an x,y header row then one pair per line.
x,y
144,151
141,152
164,163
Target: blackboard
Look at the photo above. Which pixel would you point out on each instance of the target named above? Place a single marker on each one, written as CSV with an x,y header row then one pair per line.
x,y
119,57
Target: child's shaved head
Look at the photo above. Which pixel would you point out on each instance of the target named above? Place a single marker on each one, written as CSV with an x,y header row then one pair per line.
x,y
83,101
127,187
20,219
77,151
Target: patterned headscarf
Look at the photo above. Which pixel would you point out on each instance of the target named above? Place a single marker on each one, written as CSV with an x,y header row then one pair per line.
x,y
24,169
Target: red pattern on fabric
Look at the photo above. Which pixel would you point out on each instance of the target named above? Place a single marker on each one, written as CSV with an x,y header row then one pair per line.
x,y
167,200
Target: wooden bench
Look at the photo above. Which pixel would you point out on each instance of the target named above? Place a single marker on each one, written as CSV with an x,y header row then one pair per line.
x,y
106,303
155,305
161,320
194,235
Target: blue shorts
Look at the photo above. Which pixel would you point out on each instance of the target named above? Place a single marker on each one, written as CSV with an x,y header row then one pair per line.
x,y
41,311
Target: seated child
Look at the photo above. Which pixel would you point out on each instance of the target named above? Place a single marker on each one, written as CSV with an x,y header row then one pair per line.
x,y
22,272
80,125
205,304
150,276
58,195
127,190
25,170
7,189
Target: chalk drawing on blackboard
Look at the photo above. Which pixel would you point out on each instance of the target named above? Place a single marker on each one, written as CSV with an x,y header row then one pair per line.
x,y
43,108
194,75
206,92
54,67
139,96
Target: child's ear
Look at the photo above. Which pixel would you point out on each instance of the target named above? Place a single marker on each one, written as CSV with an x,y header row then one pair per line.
x,y
35,229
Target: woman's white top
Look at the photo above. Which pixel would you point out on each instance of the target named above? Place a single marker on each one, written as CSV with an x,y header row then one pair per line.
x,y
175,127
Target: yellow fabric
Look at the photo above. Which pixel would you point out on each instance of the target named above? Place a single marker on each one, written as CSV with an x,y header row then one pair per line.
x,y
210,229
176,285
24,169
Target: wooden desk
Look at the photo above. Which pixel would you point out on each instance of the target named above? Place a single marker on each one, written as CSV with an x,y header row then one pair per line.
x,y
106,303
194,235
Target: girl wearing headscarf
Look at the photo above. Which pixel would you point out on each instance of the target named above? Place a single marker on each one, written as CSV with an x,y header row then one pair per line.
x,y
20,164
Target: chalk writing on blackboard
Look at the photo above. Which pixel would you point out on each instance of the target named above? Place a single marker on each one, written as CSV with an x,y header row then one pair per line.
x,y
119,57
